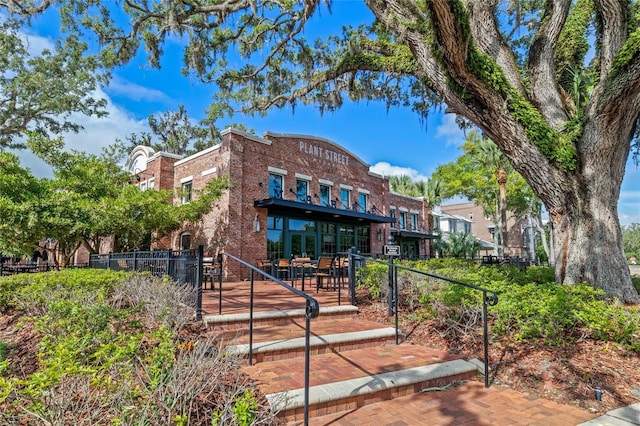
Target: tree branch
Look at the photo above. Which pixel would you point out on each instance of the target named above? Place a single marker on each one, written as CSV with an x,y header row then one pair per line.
x,y
488,39
542,71
614,22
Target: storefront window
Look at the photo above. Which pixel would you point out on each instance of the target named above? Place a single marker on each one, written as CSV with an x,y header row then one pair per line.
x,y
275,185
363,243
346,238
275,237
328,239
301,225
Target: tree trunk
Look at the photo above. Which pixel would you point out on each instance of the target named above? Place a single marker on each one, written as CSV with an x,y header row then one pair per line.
x,y
588,248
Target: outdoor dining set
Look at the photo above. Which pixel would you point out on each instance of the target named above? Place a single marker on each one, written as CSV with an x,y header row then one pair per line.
x,y
329,272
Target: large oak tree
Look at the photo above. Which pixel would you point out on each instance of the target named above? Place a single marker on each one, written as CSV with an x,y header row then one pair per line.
x,y
517,69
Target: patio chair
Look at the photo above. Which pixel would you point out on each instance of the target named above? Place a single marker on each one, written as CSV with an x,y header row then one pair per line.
x,y
325,269
283,267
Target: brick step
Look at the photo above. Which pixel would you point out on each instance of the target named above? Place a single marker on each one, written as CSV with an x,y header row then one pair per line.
x,y
347,380
238,321
318,344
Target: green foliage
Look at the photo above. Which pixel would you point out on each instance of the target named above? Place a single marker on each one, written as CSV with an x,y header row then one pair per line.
x,y
530,306
104,358
244,409
631,240
89,199
635,280
374,277
40,90
627,53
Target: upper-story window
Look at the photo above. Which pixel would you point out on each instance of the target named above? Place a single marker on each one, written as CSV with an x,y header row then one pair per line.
x,y
186,192
151,183
275,185
392,215
325,195
143,186
362,202
414,222
302,190
345,200
402,223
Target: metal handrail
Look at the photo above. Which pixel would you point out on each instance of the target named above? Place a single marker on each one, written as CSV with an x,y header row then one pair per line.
x,y
312,310
489,298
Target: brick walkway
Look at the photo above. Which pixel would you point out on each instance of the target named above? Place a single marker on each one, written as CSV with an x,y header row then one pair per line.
x,y
467,404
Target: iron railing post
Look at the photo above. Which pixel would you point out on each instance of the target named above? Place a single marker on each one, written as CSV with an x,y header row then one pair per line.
x,y
219,261
198,282
395,299
251,321
486,339
307,363
135,260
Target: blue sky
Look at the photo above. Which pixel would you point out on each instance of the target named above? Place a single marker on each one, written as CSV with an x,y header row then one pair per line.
x,y
392,142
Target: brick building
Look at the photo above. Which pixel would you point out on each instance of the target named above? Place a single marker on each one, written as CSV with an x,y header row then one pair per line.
x,y
291,195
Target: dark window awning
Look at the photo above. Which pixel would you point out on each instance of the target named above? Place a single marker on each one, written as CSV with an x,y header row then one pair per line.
x,y
316,212
403,233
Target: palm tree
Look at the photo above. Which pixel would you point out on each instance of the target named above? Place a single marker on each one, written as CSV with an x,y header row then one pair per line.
x,y
402,185
430,190
488,155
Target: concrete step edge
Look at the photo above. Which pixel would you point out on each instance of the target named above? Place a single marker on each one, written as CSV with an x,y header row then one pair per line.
x,y
293,399
266,315
314,341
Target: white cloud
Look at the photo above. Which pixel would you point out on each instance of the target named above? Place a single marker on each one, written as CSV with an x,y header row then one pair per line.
x,y
97,134
450,131
129,90
385,169
36,44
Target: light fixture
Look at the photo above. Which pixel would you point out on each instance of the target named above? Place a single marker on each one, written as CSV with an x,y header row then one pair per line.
x,y
256,224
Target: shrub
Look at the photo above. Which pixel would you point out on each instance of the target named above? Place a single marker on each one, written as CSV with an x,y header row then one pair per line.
x,y
531,304
111,353
635,280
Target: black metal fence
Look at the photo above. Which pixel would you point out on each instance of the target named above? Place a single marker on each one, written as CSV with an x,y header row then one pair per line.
x,y
183,266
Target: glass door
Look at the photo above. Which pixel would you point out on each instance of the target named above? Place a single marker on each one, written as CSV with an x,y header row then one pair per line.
x,y
303,243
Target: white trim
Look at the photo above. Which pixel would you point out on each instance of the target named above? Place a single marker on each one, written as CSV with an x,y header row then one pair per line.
x,y
303,177
343,186
209,171
325,182
277,171
415,211
186,179
363,191
392,207
198,154
245,135
404,209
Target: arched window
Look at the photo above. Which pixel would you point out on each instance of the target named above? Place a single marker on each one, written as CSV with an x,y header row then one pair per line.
x,y
185,241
